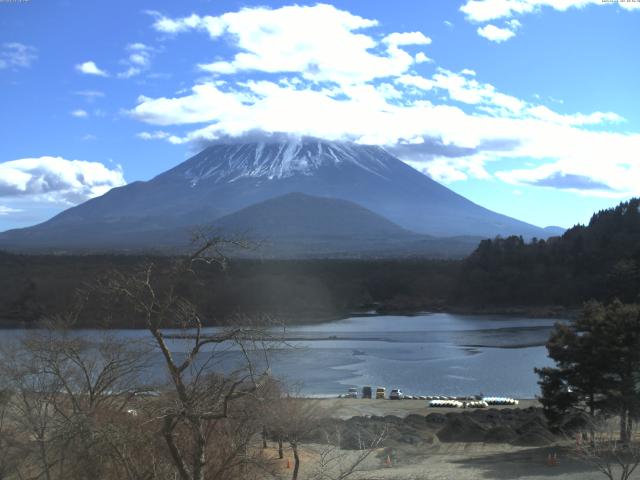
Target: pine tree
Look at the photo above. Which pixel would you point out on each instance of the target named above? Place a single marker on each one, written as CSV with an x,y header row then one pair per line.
x,y
597,364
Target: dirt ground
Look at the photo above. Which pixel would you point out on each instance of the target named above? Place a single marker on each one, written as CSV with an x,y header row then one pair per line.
x,y
439,460
460,461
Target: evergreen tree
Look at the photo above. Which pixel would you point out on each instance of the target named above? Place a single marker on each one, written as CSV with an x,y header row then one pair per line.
x,y
597,363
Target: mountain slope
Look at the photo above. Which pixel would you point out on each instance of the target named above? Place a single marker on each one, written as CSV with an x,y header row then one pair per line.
x,y
297,225
300,215
225,178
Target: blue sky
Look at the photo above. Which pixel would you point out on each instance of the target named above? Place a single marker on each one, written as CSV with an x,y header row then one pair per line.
x,y
528,107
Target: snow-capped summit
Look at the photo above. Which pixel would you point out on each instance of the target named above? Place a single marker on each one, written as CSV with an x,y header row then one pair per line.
x,y
228,177
278,160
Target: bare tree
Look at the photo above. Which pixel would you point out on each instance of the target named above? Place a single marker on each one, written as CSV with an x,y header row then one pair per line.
x,y
131,442
100,371
205,392
62,390
295,421
33,409
291,421
600,446
336,464
10,450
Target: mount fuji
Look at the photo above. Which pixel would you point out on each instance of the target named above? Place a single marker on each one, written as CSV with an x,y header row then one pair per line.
x,y
226,178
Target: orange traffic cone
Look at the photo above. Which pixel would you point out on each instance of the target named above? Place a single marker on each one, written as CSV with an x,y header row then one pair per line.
x,y
388,461
288,463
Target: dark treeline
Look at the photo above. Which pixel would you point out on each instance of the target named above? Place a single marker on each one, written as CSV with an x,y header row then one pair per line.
x,y
32,287
599,261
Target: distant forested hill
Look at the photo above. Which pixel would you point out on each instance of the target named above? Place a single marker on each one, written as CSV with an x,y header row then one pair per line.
x,y
37,287
598,261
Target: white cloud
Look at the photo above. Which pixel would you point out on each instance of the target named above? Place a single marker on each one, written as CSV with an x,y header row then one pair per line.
x,y
90,95
168,25
319,42
592,163
80,113
90,68
137,61
495,34
421,57
407,38
604,179
156,135
4,210
17,55
56,180
442,169
139,53
491,10
487,10
544,113
513,24
502,127
449,125
130,72
464,88
417,81
206,103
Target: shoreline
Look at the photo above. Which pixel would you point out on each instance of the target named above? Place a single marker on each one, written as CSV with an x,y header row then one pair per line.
x,y
542,312
548,312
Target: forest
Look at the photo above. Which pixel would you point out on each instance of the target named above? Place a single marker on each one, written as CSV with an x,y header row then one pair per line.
x,y
599,261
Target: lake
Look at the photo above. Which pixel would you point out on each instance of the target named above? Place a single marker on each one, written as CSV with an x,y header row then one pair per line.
x,y
429,354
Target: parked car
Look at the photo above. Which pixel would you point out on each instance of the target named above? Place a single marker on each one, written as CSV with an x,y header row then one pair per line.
x,y
396,394
381,392
366,392
352,393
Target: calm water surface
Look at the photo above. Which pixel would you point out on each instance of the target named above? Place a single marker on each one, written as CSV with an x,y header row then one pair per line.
x,y
430,354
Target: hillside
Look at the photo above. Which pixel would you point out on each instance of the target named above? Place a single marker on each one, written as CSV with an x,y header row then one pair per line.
x,y
297,225
300,215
